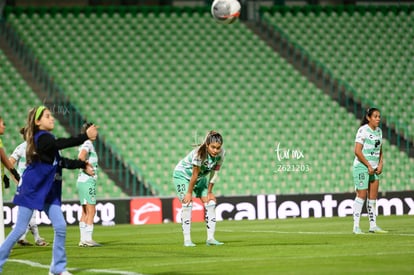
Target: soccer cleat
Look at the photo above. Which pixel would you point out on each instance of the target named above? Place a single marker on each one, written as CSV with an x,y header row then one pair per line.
x,y
24,243
189,244
41,242
377,229
61,273
213,242
90,243
357,230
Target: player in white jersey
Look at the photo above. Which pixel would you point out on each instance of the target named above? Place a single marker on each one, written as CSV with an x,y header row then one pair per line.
x,y
86,186
197,173
367,167
18,157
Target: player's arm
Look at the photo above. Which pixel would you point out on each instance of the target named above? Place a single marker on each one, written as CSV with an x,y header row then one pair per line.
x,y
8,165
212,181
380,163
13,162
361,158
189,195
83,154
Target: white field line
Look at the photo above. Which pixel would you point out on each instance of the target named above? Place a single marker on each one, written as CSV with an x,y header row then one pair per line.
x,y
99,271
317,233
271,257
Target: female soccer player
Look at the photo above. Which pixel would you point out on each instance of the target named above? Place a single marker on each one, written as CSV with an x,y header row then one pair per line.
x,y
197,173
41,183
367,167
19,157
86,186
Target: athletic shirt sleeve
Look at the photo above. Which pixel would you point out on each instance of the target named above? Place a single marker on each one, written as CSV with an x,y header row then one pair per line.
x,y
220,160
196,161
19,154
360,136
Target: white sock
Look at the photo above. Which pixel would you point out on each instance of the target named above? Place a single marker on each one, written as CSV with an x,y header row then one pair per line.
x,y
33,227
186,212
210,219
358,204
89,232
23,237
82,227
372,216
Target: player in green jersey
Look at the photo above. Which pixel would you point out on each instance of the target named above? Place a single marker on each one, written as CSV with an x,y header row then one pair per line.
x,y
86,186
197,173
367,167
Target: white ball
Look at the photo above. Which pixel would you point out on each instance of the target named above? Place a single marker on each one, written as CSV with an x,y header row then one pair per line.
x,y
225,11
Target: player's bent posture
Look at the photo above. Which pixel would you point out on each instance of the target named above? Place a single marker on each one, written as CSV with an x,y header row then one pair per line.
x,y
197,173
86,186
367,167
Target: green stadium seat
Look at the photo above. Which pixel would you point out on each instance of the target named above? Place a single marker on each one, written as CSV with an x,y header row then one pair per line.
x,y
164,85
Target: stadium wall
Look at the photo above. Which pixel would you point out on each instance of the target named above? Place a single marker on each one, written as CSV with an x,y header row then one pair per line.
x,y
154,210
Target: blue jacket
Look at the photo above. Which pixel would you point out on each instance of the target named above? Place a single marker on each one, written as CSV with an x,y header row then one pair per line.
x,y
41,182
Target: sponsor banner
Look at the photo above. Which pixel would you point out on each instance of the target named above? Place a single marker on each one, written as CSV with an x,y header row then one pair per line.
x,y
148,210
305,206
107,213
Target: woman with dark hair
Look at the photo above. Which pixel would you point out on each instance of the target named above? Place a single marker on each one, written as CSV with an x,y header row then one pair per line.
x,y
86,185
197,173
367,167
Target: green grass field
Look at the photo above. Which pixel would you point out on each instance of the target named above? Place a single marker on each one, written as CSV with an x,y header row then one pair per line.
x,y
291,246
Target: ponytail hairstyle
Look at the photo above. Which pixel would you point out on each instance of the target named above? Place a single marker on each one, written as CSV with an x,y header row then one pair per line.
x,y
22,131
85,127
212,137
30,130
368,113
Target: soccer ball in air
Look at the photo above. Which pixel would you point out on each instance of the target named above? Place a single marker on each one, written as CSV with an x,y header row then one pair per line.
x,y
225,11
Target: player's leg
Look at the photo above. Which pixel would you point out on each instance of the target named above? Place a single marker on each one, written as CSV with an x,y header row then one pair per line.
x,y
181,187
210,213
361,188
35,231
372,205
186,215
82,226
23,241
90,215
87,195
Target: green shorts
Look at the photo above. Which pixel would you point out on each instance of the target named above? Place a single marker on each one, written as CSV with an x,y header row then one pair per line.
x,y
87,192
362,178
181,187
